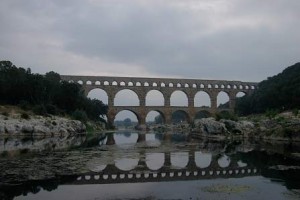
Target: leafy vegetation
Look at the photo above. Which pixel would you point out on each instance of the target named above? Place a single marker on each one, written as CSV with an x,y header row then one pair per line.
x,y
280,92
46,94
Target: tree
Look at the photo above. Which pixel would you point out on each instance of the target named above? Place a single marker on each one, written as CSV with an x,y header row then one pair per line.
x,y
127,122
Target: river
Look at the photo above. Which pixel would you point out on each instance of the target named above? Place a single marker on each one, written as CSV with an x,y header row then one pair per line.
x,y
134,165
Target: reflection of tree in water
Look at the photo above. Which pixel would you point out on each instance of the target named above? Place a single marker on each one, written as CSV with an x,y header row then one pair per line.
x,y
178,137
34,187
277,167
159,136
125,133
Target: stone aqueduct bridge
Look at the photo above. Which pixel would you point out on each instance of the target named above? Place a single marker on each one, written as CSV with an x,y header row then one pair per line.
x,y
141,86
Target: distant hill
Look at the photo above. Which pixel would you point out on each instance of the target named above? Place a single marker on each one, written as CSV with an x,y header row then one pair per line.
x,y
280,92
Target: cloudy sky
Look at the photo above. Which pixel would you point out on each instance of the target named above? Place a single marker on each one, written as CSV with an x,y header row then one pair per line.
x,y
246,40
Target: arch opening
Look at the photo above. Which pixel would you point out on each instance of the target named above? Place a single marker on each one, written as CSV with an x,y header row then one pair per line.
x,y
99,94
180,116
240,94
223,100
155,98
154,118
155,161
126,119
202,99
127,164
202,160
179,159
126,97
179,98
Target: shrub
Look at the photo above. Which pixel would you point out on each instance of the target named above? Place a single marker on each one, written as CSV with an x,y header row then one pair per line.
x,y
51,109
25,116
5,113
295,112
24,105
226,115
39,110
271,113
80,115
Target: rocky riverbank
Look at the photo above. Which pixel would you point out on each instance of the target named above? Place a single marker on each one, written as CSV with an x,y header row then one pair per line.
x,y
20,124
283,127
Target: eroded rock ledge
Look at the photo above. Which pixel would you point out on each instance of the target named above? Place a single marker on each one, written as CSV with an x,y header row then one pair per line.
x,y
277,129
40,126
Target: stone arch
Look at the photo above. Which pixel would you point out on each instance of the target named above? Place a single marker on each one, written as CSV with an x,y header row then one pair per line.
x,y
179,98
179,116
186,85
228,86
234,87
216,86
126,97
194,85
80,82
203,114
146,84
154,84
88,83
98,93
105,83
115,83
209,86
162,85
155,98
171,85
241,87
157,117
97,83
223,100
202,99
202,85
178,85
222,86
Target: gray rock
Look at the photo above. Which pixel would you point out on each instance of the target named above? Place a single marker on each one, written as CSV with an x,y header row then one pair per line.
x,y
27,128
42,129
210,126
2,129
10,129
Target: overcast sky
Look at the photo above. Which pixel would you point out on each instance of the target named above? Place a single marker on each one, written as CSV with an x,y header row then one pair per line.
x,y
246,40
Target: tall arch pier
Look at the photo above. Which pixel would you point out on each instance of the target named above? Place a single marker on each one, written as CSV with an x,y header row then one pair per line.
x,y
166,86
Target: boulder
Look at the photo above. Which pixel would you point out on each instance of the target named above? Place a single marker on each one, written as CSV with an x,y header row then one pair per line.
x,y
10,129
42,129
27,128
209,126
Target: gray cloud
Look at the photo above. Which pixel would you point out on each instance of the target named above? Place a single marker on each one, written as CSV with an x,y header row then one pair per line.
x,y
216,39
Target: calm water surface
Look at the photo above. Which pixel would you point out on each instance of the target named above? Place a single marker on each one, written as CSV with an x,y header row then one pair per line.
x,y
132,165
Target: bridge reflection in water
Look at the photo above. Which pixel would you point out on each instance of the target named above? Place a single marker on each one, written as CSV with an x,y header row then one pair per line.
x,y
143,172
146,166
